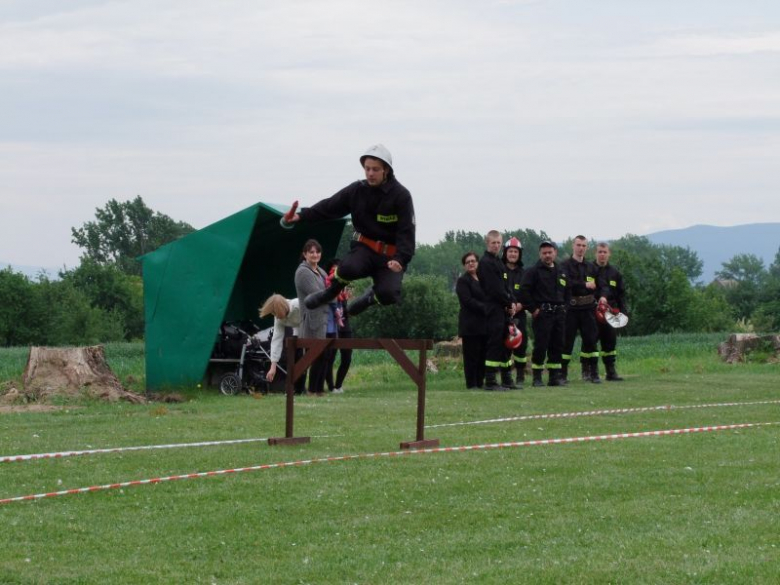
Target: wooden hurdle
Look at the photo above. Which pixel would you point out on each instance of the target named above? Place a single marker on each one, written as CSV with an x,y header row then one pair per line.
x,y
395,347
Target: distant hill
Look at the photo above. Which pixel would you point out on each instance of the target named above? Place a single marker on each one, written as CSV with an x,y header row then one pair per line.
x,y
715,245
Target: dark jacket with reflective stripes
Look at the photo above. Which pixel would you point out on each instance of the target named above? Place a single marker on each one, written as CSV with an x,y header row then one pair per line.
x,y
384,213
578,274
492,277
544,284
610,285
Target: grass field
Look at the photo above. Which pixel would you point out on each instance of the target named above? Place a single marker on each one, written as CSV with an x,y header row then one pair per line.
x,y
690,508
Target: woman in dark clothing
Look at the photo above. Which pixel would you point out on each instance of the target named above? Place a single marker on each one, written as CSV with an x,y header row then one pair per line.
x,y
471,322
344,332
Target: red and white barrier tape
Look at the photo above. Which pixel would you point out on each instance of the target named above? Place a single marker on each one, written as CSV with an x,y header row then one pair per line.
x,y
597,412
60,454
57,455
462,448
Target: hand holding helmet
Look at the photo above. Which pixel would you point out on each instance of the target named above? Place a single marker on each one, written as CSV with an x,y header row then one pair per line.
x,y
514,337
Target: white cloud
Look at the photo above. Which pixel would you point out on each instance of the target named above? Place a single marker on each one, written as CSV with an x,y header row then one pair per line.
x,y
696,45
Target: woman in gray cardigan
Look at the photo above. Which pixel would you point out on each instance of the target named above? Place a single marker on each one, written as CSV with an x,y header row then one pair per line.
x,y
310,278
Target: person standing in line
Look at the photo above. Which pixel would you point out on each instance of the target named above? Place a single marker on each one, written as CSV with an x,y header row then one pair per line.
x,y
310,278
580,316
492,278
545,294
471,322
513,260
613,294
383,245
344,332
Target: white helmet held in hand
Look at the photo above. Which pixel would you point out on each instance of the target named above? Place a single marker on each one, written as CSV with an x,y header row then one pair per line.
x,y
378,151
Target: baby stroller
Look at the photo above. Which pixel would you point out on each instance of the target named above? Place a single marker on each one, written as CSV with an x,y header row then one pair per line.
x,y
253,357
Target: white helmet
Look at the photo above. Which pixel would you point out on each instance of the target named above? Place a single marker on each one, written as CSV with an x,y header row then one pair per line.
x,y
380,152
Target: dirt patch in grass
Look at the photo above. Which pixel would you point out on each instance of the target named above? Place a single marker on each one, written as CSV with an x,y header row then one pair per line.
x,y
17,408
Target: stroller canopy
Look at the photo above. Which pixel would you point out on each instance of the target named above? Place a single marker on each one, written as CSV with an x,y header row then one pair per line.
x,y
222,272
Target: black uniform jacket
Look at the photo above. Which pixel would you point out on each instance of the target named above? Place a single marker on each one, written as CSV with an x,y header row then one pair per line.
x,y
579,273
492,276
610,285
544,284
471,319
384,213
515,278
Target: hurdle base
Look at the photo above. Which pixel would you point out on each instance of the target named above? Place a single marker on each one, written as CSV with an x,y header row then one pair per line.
x,y
288,440
424,444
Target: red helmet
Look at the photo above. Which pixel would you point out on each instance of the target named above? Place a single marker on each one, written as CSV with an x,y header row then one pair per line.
x,y
514,337
513,242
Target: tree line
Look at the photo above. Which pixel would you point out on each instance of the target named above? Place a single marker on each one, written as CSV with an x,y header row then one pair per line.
x,y
101,300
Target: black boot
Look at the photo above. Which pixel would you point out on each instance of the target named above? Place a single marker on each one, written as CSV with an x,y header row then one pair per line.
x,y
520,368
612,375
555,378
506,379
594,371
362,303
491,384
586,375
537,378
322,297
563,374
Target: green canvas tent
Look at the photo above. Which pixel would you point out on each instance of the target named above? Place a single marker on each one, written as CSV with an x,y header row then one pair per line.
x,y
222,272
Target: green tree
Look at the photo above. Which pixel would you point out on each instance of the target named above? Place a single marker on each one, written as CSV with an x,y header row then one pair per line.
x,y
743,278
22,317
660,293
72,320
443,259
428,310
122,231
766,317
108,288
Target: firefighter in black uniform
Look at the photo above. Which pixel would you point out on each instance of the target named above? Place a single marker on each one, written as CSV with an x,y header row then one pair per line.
x,y
499,310
513,261
581,315
545,294
613,293
383,216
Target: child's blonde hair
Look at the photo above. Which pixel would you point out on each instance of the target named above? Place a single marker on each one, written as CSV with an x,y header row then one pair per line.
x,y
274,305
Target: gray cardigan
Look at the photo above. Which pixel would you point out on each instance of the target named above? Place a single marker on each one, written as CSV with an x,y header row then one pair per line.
x,y
314,322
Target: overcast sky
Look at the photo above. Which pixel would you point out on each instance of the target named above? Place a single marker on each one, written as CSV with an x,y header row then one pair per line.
x,y
598,117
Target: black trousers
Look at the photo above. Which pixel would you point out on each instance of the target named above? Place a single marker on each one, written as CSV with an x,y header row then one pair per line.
x,y
362,262
520,355
548,339
346,361
496,353
608,341
584,321
474,360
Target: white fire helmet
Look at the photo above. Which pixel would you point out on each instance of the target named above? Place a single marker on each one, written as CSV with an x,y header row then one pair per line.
x,y
380,152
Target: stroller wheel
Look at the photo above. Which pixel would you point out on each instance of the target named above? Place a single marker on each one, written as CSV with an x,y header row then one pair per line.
x,y
229,385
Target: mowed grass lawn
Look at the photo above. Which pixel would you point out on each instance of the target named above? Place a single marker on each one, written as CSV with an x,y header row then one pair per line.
x,y
692,508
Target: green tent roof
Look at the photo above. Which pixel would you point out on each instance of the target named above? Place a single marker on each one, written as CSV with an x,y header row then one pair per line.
x,y
222,272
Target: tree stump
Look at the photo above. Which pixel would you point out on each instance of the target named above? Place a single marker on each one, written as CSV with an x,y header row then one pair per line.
x,y
73,372
735,348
